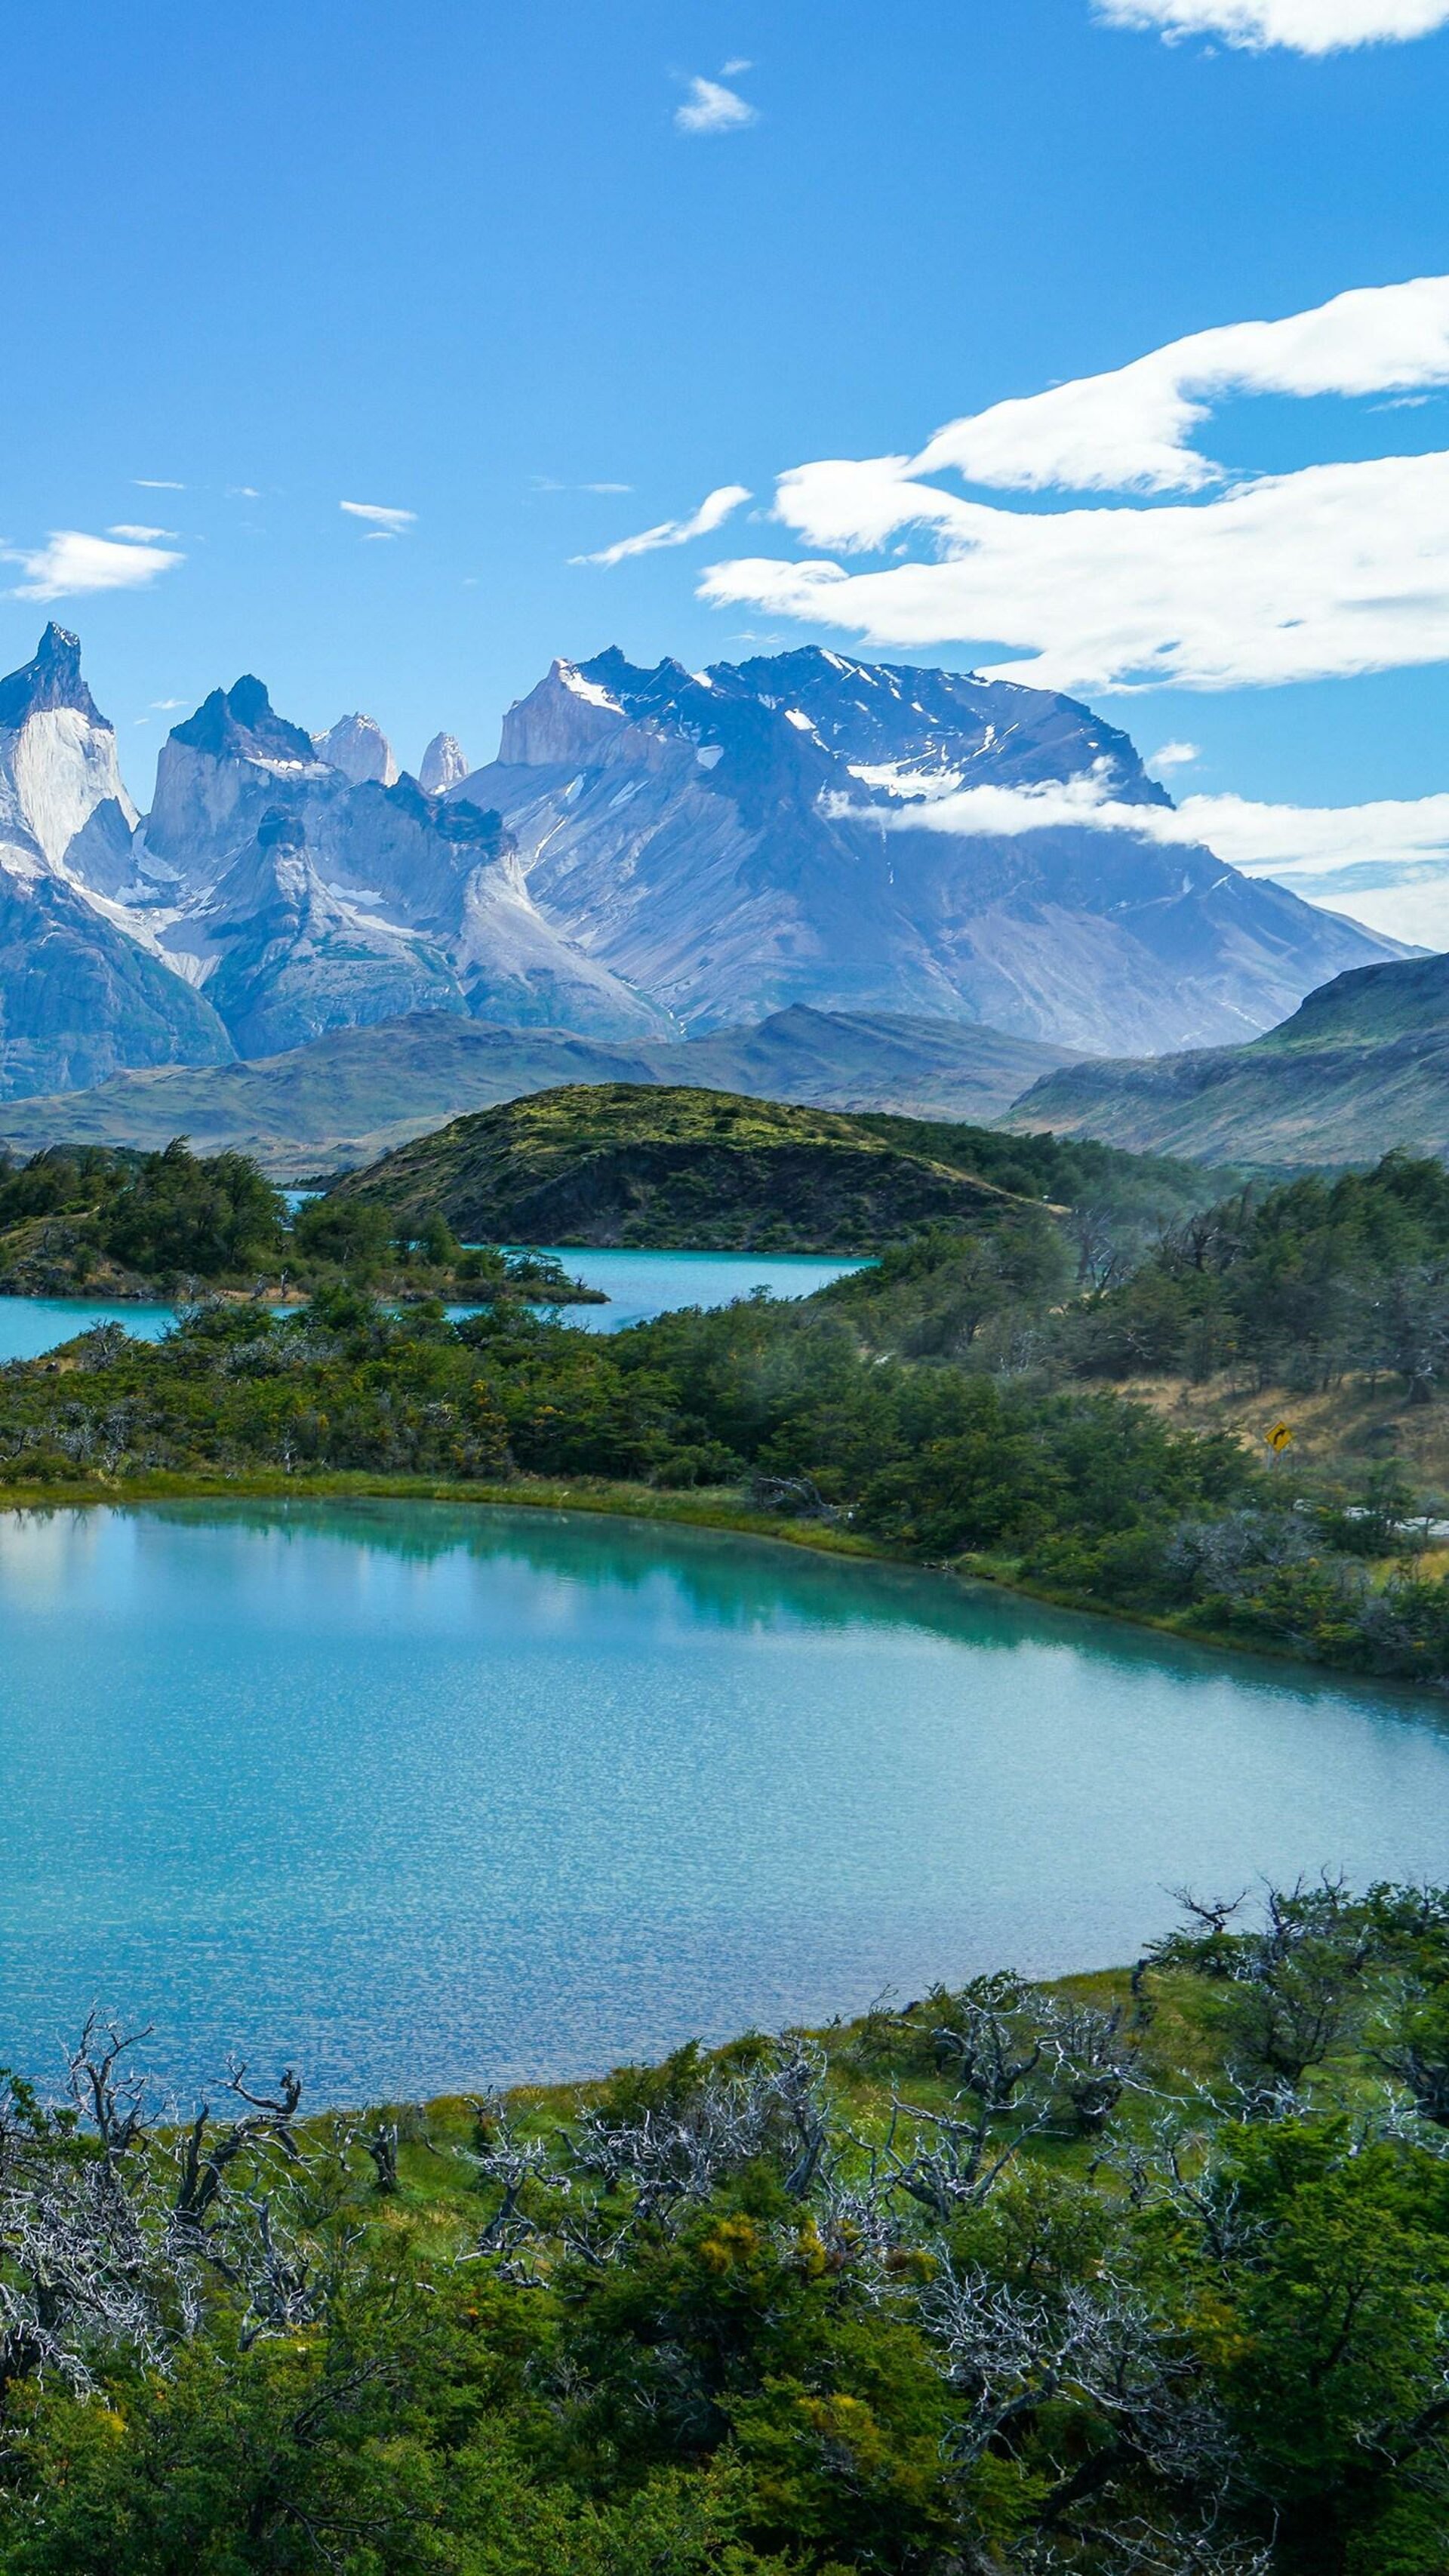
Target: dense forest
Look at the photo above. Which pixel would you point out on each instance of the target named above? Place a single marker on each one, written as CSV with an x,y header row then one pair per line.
x,y
169,1224
1124,2276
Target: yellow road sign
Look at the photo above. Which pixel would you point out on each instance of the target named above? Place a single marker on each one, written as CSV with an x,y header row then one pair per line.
x,y
1279,1436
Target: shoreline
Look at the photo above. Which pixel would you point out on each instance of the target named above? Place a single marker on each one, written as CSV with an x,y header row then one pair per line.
x,y
706,1508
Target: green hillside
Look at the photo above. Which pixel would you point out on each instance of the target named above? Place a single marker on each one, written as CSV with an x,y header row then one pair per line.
x,y
622,1163
1361,1067
686,1169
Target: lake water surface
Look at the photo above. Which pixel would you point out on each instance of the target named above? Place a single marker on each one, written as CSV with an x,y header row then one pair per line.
x,y
638,1285
426,1796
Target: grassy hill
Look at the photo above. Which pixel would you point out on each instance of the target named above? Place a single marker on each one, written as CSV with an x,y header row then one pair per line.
x,y
357,1092
1362,1066
621,1163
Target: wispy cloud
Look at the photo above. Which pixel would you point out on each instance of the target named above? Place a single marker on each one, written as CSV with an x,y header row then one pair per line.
x,y
1175,755
147,483
1385,864
134,536
1132,430
384,522
711,514
165,706
242,492
1334,569
606,487
1303,26
70,564
712,108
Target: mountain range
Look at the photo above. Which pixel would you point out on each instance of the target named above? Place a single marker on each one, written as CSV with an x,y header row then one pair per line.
x,y
654,855
355,1093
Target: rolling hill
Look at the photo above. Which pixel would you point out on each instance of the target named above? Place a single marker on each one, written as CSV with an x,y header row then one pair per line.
x,y
624,1163
1361,1066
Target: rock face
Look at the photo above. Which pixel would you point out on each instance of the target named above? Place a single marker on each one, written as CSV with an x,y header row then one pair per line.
x,y
444,765
63,806
358,747
736,840
303,898
80,997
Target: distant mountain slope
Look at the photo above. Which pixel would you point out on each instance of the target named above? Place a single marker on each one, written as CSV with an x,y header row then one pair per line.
x,y
1362,1066
733,840
351,1095
620,1163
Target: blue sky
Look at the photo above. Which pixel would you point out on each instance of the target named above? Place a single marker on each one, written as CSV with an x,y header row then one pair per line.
x,y
470,266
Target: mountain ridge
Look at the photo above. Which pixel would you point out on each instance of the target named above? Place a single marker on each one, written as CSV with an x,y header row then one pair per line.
x,y
357,1092
1362,1065
730,847
658,853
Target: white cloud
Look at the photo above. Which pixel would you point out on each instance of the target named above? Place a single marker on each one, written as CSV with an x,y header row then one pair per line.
x,y
606,487
1131,430
1335,570
164,706
1385,864
1331,570
713,510
72,563
145,483
711,108
242,492
391,523
1306,26
134,536
1175,755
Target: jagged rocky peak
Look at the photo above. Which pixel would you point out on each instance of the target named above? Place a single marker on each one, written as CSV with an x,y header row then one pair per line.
x,y
444,764
53,679
572,712
358,747
240,723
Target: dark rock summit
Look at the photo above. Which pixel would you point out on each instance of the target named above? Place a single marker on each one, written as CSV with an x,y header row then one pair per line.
x,y
53,679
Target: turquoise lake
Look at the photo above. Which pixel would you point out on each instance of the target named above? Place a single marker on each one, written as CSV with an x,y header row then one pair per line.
x,y
427,1797
638,1285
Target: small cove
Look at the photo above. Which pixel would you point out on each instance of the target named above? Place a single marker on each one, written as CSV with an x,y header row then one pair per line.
x,y
638,1285
426,1796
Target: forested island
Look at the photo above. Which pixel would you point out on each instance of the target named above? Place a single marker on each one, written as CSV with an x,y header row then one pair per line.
x,y
1128,2275
1071,1393
104,1222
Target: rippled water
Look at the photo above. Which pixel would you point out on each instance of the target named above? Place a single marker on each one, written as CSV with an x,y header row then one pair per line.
x,y
430,1796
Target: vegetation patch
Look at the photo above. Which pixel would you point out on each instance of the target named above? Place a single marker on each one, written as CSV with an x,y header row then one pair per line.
x,y
1127,2275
